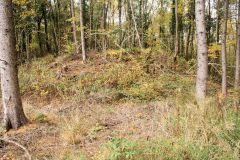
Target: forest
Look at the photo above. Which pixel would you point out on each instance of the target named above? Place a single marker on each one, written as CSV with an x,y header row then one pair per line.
x,y
120,79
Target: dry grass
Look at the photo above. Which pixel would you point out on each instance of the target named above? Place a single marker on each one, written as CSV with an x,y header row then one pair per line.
x,y
66,125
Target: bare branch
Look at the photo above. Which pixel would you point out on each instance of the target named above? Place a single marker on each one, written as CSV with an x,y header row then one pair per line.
x,y
19,145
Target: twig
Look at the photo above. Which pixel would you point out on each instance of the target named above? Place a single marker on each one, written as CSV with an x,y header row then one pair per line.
x,y
191,68
221,65
19,145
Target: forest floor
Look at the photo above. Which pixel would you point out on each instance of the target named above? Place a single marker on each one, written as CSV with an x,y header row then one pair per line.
x,y
106,109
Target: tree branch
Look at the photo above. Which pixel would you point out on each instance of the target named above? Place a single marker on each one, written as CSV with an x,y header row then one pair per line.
x,y
19,145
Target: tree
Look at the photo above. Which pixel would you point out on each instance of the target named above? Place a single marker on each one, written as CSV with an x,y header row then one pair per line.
x,y
74,27
135,25
176,31
14,116
202,56
104,25
120,21
237,72
224,60
82,33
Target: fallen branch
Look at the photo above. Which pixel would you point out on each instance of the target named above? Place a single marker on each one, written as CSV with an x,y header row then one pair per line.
x,y
19,145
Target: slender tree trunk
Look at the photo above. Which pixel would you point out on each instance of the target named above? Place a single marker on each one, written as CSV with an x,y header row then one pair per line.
x,y
217,28
209,21
237,73
39,36
188,41
120,21
129,18
14,116
192,41
55,36
82,33
135,25
27,43
176,32
104,26
74,27
202,56
224,59
91,24
46,28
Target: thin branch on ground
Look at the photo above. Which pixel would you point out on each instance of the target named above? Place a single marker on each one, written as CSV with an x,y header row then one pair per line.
x,y
19,145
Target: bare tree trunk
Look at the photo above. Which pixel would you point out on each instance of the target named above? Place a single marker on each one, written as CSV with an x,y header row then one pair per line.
x,y
27,43
91,24
39,21
14,116
224,59
188,41
74,27
82,33
202,56
120,21
237,73
104,26
55,36
46,28
135,25
176,32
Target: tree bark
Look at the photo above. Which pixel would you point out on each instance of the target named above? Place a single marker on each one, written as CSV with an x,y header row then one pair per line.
x,y
14,116
55,36
237,73
202,56
176,32
82,33
104,26
27,43
135,26
74,27
91,24
39,21
120,21
224,59
46,27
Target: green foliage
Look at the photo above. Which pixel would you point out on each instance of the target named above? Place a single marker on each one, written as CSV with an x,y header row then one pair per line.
x,y
138,79
163,149
93,131
39,82
122,149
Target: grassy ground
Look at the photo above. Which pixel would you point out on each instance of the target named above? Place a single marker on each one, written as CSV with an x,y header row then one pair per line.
x,y
133,108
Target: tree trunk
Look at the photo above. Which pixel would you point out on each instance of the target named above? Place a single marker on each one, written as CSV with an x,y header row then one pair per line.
x,y
91,24
14,116
39,36
224,59
55,37
27,43
202,56
176,34
104,26
120,21
237,73
82,33
74,27
46,28
135,26
188,41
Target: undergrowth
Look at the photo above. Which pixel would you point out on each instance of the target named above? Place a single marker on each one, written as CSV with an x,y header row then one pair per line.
x,y
137,77
189,131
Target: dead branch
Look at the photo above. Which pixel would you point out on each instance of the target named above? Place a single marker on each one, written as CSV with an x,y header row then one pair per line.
x,y
19,145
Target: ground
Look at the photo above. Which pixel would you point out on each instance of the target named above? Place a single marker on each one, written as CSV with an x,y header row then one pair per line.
x,y
100,126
